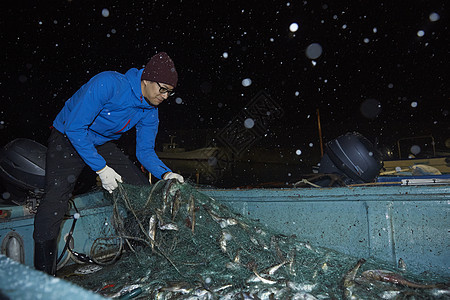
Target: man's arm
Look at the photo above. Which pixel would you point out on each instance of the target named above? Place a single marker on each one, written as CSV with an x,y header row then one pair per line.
x,y
146,131
84,107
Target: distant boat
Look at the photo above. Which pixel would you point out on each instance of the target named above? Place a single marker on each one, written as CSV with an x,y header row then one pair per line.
x,y
406,165
407,161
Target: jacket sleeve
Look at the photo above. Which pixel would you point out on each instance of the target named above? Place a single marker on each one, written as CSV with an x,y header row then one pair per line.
x,y
146,131
84,107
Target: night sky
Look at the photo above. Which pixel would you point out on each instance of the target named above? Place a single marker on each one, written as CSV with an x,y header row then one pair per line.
x,y
382,71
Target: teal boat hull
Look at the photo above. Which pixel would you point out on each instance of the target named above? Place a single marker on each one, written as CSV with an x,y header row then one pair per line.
x,y
387,223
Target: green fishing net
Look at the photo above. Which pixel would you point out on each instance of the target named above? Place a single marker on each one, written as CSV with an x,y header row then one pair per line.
x,y
173,242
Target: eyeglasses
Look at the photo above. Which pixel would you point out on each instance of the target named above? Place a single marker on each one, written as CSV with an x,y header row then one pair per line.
x,y
163,90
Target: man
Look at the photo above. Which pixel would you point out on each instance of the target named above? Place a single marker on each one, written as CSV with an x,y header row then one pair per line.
x,y
99,112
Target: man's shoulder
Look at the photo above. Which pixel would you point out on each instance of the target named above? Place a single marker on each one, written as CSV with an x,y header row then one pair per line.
x,y
109,79
112,75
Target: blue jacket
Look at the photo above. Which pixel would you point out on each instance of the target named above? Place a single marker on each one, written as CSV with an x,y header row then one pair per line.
x,y
105,107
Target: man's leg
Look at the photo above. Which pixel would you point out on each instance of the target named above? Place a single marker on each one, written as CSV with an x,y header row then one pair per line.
x,y
63,166
117,160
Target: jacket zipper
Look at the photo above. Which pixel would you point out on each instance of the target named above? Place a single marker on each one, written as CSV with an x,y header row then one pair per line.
x,y
124,126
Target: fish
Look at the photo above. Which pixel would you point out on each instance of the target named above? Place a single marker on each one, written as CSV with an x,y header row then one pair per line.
x,y
168,226
291,259
401,264
232,265
221,288
237,257
246,296
260,231
391,277
273,293
200,293
176,204
87,269
301,287
236,263
168,190
165,226
349,280
274,244
389,294
441,292
273,269
254,241
223,222
152,230
124,291
303,296
262,279
191,210
131,293
226,236
178,287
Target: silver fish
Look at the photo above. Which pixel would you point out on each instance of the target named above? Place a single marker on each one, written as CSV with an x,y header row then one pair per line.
x,y
124,290
152,230
165,226
389,294
222,288
223,222
254,241
291,259
441,292
260,231
301,287
168,226
87,269
200,293
178,287
226,236
232,265
303,296
273,269
262,279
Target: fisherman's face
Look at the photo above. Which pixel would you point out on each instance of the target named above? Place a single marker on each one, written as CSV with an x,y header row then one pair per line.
x,y
154,92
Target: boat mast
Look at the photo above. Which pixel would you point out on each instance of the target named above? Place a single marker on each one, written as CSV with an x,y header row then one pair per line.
x,y
320,133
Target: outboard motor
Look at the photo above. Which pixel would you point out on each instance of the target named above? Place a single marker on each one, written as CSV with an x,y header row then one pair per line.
x,y
22,170
353,157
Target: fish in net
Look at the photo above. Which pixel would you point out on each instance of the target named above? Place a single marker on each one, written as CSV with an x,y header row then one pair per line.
x,y
173,242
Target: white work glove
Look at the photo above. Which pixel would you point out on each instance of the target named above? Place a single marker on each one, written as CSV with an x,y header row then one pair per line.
x,y
109,178
170,175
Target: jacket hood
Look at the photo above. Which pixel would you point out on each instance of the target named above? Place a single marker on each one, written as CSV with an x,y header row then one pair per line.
x,y
133,76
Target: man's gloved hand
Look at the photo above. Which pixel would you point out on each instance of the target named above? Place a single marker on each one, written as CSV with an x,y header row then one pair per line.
x,y
171,175
109,178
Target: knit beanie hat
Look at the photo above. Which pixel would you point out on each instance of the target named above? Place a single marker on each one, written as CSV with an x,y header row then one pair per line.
x,y
161,69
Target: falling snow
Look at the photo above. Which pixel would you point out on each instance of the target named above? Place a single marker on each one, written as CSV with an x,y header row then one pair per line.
x,y
246,82
105,12
293,27
434,17
378,69
314,51
249,123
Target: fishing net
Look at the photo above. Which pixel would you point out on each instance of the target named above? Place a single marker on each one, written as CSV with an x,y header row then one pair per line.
x,y
178,243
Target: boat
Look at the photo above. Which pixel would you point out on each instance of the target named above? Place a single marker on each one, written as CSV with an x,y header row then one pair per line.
x,y
217,165
417,151
390,223
393,222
